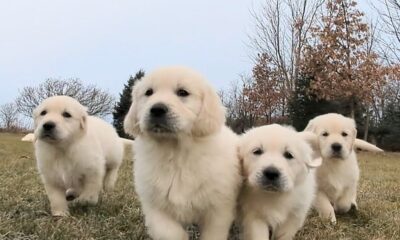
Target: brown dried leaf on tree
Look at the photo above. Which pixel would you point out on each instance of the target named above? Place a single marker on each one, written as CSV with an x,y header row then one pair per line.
x,y
342,64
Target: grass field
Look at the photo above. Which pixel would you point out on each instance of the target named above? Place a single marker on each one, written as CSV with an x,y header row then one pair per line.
x,y
24,208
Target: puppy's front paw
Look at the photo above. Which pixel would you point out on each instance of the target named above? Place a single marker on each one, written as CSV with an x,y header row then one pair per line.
x,y
333,219
354,207
60,213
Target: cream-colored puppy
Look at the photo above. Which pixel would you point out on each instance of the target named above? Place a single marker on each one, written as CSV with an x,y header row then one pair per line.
x,y
186,167
30,137
338,175
279,181
76,153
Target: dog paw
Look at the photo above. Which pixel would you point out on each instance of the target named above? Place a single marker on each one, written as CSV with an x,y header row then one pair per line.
x,y
333,220
60,213
354,207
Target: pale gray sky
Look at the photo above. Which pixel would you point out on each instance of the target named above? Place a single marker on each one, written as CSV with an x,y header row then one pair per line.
x,y
105,41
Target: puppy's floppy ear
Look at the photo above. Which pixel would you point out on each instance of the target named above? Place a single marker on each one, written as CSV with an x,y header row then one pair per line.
x,y
131,121
315,158
35,114
310,126
83,120
314,162
311,139
211,116
363,145
240,156
354,133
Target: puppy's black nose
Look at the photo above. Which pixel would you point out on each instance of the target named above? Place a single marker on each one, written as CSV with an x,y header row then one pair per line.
x,y
271,173
336,147
158,110
48,126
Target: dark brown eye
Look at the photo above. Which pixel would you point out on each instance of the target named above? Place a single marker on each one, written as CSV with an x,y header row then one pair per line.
x,y
325,134
66,114
288,155
149,92
44,112
258,151
182,93
344,134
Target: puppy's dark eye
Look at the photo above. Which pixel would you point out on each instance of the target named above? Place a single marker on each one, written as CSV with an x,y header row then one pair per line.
x,y
44,112
149,92
66,114
325,134
344,134
258,151
182,93
288,155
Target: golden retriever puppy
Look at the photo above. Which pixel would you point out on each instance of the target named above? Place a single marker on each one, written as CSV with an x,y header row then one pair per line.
x,y
279,181
186,167
76,153
338,175
30,137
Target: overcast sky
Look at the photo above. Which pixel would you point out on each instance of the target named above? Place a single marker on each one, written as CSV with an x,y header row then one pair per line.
x,y
105,41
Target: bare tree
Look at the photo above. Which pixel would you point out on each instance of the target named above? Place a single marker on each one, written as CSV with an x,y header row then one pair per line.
x,y
389,15
98,101
240,112
342,62
282,31
9,116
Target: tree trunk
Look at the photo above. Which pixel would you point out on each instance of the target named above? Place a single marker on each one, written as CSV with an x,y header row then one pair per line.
x,y
352,108
366,126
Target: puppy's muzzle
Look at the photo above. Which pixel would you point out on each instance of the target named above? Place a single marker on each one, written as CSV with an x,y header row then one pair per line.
x,y
159,119
49,126
336,149
48,129
271,179
158,110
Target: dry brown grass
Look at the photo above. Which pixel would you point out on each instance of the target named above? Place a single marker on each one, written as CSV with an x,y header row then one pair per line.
x,y
24,208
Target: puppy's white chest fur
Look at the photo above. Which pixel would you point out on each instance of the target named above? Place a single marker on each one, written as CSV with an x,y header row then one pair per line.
x,y
184,181
328,180
65,168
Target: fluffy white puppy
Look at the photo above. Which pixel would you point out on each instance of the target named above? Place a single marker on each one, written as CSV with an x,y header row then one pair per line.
x,y
76,154
338,175
186,168
30,137
279,181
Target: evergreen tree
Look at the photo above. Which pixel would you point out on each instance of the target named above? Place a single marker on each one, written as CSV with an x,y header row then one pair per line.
x,y
124,103
389,130
304,105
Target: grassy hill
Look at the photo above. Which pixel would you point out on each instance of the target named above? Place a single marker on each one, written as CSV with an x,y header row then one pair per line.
x,y
24,208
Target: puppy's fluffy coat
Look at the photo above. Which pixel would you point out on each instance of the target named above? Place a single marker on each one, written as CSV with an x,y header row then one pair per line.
x,y
279,181
186,168
75,153
338,175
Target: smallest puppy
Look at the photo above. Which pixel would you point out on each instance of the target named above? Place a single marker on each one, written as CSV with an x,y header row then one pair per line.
x,y
279,183
76,154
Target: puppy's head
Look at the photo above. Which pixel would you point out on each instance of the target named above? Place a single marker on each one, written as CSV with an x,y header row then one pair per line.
x,y
173,101
276,158
58,119
336,135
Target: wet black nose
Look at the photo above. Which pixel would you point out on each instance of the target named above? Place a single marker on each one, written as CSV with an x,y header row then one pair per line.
x,y
48,126
271,173
158,110
336,147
